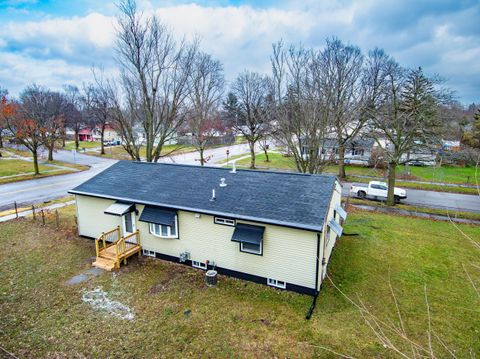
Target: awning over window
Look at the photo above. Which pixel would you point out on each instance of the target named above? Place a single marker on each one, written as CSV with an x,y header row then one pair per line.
x,y
338,229
341,211
120,208
158,215
246,233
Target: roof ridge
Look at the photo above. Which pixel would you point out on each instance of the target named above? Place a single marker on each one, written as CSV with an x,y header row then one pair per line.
x,y
229,169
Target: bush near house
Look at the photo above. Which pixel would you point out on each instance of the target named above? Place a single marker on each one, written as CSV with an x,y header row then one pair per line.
x,y
177,315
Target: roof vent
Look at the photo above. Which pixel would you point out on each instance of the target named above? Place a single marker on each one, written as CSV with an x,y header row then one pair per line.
x,y
213,195
222,182
234,169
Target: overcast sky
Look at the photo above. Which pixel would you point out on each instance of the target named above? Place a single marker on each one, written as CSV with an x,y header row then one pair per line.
x,y
55,42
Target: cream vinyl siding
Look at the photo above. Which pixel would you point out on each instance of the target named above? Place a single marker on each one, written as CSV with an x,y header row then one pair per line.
x,y
91,219
288,254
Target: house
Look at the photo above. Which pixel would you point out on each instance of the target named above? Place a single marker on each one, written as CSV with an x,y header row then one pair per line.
x,y
90,134
357,151
274,228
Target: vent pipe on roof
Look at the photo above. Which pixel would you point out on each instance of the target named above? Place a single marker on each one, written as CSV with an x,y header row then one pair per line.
x,y
213,195
234,170
222,182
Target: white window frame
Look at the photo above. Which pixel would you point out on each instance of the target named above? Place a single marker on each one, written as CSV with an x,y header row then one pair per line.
x,y
200,265
276,283
224,221
245,250
151,230
148,253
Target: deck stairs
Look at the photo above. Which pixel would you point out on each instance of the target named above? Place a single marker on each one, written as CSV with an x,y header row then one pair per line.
x,y
112,249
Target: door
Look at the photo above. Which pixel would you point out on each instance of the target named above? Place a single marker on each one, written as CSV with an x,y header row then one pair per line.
x,y
129,226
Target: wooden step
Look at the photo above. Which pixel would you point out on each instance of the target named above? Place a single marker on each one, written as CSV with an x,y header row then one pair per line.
x,y
104,263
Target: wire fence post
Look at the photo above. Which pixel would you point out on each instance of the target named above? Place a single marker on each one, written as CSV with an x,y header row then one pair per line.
x,y
43,217
16,209
33,212
56,218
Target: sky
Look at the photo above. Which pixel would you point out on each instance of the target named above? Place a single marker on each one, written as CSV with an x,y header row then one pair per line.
x,y
57,42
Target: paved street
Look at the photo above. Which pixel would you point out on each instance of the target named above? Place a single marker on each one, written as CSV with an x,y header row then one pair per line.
x,y
453,201
43,189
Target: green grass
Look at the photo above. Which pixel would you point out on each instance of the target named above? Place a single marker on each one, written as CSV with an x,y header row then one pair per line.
x,y
435,211
16,167
277,161
40,316
70,145
12,167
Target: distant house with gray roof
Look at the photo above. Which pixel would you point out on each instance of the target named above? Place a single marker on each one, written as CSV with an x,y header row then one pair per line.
x,y
273,228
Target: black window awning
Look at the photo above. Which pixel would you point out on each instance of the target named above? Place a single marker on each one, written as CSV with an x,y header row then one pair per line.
x,y
120,208
158,215
246,233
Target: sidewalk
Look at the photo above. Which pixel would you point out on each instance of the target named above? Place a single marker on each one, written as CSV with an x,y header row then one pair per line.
x,y
29,212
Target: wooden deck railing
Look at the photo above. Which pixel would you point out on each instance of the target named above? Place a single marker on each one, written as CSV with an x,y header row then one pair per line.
x,y
110,236
125,243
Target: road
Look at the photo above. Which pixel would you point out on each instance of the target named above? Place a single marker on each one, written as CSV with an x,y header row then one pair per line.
x,y
44,189
451,201
48,188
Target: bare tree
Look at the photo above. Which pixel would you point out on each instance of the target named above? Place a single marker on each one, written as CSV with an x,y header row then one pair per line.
x,y
155,74
205,93
252,90
75,111
342,67
98,108
405,120
301,112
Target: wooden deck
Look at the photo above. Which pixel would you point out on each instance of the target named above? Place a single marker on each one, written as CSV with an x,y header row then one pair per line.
x,y
112,249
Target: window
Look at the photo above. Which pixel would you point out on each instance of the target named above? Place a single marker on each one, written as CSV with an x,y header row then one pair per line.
x,y
251,248
276,283
160,230
149,253
198,264
377,186
358,152
224,221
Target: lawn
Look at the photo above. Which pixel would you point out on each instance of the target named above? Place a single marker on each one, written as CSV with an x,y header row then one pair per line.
x,y
70,145
176,315
10,167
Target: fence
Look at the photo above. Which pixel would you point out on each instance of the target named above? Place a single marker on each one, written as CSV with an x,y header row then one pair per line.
x,y
57,215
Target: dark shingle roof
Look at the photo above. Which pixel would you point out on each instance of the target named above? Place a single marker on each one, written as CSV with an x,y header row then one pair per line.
x,y
289,199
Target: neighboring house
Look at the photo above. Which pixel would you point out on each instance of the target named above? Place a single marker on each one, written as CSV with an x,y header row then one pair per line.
x,y
273,228
89,134
357,151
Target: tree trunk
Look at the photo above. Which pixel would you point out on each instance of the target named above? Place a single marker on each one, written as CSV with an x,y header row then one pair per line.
x,y
35,162
102,134
267,159
50,152
64,135
1,139
77,140
202,159
341,161
391,183
252,154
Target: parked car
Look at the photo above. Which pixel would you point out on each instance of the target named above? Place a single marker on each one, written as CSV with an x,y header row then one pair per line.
x,y
376,190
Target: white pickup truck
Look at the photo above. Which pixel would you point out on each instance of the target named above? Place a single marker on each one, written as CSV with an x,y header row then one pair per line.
x,y
376,190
